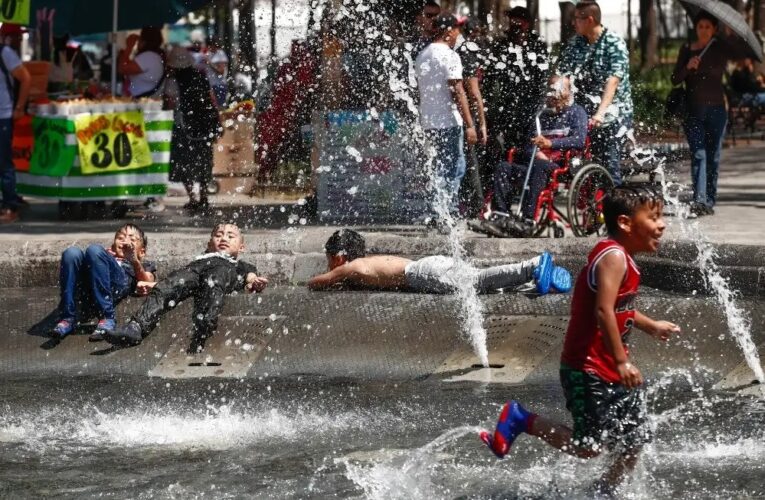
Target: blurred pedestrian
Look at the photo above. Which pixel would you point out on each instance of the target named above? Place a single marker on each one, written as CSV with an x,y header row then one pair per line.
x,y
473,58
14,92
195,128
144,74
597,60
444,107
217,72
701,65
430,10
515,78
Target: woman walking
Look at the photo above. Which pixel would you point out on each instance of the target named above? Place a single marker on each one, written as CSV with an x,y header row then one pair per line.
x,y
196,127
700,65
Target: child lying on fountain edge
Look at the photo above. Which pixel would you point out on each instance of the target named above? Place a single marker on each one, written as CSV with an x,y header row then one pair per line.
x,y
208,278
604,390
349,266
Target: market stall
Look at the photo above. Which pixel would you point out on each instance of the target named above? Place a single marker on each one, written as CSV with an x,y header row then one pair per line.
x,y
84,151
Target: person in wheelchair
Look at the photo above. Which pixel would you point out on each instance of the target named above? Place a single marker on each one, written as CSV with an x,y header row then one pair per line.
x,y
564,128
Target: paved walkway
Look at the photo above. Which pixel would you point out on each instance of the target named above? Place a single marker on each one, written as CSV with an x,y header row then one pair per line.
x,y
739,218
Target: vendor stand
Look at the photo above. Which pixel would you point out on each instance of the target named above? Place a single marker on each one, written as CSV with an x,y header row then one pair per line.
x,y
85,152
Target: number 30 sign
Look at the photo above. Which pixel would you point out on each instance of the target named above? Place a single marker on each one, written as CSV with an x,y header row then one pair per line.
x,y
112,142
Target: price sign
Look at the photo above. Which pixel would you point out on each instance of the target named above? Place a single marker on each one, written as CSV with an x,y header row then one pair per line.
x,y
113,142
15,11
51,155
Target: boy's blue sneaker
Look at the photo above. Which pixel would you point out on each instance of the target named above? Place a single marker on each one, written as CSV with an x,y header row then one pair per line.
x,y
104,327
63,328
560,279
513,420
543,273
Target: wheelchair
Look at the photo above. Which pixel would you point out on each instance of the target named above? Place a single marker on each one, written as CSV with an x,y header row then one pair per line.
x,y
571,199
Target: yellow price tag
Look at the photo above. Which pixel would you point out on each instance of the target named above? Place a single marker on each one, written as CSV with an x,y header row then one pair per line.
x,y
112,142
15,11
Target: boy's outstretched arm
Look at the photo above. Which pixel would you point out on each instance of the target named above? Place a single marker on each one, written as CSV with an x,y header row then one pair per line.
x,y
609,274
662,330
329,279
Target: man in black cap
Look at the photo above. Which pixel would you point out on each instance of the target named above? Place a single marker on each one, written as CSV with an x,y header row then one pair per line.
x,y
516,74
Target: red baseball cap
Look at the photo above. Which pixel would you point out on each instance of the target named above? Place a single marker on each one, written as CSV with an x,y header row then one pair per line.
x,y
10,29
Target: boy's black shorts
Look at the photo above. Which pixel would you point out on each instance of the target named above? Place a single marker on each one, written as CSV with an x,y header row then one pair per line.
x,y
604,414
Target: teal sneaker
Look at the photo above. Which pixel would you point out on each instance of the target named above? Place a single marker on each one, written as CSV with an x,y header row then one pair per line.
x,y
543,273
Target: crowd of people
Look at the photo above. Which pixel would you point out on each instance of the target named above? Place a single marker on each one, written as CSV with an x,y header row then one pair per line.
x,y
478,94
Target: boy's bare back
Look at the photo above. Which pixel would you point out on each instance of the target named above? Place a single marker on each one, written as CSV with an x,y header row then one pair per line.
x,y
377,271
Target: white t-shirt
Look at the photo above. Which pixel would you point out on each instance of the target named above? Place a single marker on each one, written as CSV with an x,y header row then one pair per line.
x,y
151,64
435,66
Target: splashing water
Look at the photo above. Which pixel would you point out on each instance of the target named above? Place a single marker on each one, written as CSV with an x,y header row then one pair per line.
x,y
406,475
737,319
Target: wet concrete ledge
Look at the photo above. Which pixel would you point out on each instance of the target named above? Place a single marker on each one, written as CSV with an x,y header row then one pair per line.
x,y
290,332
291,258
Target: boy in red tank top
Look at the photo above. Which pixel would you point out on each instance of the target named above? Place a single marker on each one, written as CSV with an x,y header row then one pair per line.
x,y
604,390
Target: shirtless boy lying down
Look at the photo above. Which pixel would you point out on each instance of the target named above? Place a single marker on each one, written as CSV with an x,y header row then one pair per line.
x,y
350,266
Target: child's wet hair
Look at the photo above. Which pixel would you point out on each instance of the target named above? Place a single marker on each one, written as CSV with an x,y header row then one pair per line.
x,y
138,230
625,200
346,242
227,223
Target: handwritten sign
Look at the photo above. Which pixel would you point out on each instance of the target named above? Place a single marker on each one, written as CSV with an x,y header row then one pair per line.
x,y
15,11
51,155
112,142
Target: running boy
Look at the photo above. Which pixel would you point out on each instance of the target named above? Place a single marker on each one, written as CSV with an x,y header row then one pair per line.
x,y
349,266
208,278
604,390
98,278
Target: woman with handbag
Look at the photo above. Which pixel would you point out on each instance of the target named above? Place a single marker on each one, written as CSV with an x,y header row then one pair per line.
x,y
195,129
700,66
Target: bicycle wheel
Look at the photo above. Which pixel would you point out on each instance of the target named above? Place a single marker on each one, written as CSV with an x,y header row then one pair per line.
x,y
585,200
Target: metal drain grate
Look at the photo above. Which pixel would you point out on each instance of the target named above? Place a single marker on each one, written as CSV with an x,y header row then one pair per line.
x,y
231,352
517,346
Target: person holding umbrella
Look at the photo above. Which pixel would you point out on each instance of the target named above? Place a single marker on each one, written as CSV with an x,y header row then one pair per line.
x,y
700,66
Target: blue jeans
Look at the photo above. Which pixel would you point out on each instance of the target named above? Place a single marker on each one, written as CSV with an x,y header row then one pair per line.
x,y
7,170
449,162
704,128
91,275
508,183
607,147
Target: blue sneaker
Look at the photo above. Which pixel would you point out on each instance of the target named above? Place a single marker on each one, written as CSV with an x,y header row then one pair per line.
x,y
513,420
104,327
560,279
63,328
543,273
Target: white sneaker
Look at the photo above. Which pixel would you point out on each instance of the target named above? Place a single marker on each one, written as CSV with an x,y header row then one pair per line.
x,y
155,206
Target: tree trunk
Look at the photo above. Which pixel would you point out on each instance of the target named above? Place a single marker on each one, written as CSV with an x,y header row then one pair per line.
x,y
648,35
566,21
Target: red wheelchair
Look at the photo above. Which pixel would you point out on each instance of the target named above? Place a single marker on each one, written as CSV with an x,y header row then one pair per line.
x,y
571,199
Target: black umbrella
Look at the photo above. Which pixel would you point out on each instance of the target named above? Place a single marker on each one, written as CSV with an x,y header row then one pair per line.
x,y
728,16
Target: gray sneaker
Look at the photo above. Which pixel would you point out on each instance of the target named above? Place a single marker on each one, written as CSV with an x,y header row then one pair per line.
x,y
128,335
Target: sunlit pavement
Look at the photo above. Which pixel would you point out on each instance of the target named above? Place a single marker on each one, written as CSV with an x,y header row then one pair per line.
x,y
739,217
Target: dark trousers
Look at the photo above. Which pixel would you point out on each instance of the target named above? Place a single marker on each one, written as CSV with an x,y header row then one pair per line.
x,y
7,170
606,146
88,276
208,282
704,128
508,183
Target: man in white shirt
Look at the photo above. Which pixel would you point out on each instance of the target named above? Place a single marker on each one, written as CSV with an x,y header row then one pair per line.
x,y
444,107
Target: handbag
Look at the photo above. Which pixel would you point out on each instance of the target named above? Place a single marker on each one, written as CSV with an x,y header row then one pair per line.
x,y
676,105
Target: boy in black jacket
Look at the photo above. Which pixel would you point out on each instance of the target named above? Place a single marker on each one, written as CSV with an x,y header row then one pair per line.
x,y
208,278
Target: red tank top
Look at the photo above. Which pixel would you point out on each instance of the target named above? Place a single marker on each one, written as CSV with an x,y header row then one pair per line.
x,y
583,346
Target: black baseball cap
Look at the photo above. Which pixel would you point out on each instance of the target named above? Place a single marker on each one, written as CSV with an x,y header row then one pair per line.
x,y
519,13
444,22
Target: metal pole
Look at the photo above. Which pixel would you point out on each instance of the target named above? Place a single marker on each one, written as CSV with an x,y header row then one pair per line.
x,y
115,18
531,164
273,29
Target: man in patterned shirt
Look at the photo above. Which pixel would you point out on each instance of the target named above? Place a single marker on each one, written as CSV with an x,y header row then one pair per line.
x,y
597,61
